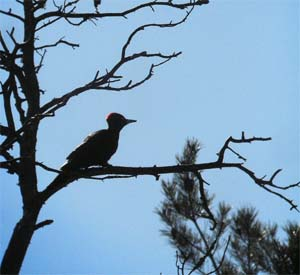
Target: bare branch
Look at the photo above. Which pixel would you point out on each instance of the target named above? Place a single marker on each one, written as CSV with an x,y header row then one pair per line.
x,y
204,199
11,35
129,85
83,20
48,23
259,181
275,174
143,27
42,224
85,16
64,9
241,140
47,168
60,41
50,169
110,177
8,62
181,260
237,154
222,259
297,184
64,179
9,141
18,100
10,164
264,183
20,2
155,170
203,258
209,248
7,91
101,83
57,184
9,13
3,43
39,66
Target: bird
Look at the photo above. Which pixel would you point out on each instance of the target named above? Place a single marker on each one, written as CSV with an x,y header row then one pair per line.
x,y
98,147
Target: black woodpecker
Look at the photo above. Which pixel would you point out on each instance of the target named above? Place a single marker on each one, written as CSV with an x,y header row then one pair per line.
x,y
99,146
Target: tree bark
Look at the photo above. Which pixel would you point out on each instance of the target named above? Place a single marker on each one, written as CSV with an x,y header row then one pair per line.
x,y
24,229
19,242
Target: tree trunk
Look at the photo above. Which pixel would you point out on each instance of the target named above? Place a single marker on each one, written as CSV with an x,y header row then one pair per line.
x,y
19,242
24,229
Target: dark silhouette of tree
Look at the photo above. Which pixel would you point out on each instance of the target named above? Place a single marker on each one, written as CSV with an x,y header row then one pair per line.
x,y
21,62
255,246
227,243
186,213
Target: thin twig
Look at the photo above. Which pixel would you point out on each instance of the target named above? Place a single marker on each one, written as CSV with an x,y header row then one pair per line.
x,y
61,13
42,224
9,13
204,200
222,259
143,27
60,41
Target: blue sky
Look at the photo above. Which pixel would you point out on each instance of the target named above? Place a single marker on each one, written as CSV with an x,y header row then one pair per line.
x,y
239,71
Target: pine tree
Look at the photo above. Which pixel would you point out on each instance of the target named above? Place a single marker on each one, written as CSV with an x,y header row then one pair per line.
x,y
186,214
221,242
255,246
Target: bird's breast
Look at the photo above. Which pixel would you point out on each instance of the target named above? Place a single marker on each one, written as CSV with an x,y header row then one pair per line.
x,y
107,146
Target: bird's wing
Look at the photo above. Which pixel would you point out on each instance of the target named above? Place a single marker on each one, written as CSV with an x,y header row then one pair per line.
x,y
83,148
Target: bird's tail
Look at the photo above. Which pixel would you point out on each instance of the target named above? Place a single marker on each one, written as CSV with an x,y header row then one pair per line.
x,y
67,166
61,180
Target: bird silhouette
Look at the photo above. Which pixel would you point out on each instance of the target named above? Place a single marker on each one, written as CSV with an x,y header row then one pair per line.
x,y
99,146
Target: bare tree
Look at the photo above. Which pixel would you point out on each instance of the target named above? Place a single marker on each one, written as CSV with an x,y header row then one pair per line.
x,y
22,60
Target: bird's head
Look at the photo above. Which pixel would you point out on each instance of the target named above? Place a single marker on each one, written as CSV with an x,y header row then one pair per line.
x,y
116,121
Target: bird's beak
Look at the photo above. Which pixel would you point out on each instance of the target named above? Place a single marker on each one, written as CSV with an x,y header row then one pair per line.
x,y
130,121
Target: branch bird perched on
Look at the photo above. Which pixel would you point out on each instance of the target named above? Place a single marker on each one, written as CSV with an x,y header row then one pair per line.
x,y
99,146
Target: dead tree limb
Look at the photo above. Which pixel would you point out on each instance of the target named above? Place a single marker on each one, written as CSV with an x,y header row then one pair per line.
x,y
63,180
